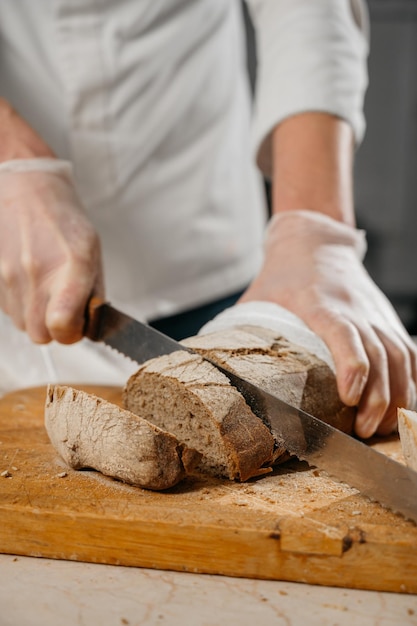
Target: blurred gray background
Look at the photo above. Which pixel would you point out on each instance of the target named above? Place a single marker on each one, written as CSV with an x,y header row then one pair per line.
x,y
386,162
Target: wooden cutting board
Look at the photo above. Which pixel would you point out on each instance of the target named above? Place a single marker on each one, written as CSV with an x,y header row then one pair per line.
x,y
295,524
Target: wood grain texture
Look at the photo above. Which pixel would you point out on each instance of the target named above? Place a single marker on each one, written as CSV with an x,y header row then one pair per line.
x,y
295,524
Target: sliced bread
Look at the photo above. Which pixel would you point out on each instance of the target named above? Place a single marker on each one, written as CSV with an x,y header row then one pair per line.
x,y
181,413
89,432
190,398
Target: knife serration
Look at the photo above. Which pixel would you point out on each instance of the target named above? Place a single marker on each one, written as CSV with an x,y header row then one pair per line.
x,y
341,456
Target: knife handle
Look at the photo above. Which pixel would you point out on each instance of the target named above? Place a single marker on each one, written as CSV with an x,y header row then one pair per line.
x,y
92,318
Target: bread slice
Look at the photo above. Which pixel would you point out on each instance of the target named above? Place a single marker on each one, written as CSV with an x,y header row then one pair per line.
x,y
89,432
189,397
407,429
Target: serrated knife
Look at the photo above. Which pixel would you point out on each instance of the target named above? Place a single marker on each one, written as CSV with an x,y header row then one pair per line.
x,y
341,456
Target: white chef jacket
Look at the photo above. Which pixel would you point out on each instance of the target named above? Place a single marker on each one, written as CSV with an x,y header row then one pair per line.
x,y
150,101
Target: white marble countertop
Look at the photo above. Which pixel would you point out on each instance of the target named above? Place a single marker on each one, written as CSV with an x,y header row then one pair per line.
x,y
43,592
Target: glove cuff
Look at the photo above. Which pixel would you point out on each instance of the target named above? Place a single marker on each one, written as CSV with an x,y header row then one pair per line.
x,y
318,228
44,164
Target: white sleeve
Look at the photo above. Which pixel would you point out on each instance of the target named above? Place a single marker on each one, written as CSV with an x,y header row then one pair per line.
x,y
312,56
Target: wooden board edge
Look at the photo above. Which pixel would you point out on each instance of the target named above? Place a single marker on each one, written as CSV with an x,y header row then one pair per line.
x,y
235,552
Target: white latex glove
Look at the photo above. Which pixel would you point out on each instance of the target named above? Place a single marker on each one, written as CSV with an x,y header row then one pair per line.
x,y
313,267
50,261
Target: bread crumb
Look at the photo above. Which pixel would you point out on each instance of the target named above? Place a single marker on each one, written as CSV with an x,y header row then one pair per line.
x,y
62,475
339,607
6,474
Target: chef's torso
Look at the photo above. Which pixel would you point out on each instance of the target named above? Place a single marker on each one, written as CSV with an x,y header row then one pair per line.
x,y
150,102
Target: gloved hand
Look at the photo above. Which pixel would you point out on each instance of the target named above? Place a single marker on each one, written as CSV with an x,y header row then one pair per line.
x,y
50,261
313,267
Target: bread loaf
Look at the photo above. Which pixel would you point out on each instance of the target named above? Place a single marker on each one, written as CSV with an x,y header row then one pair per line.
x,y
280,367
190,398
183,413
89,432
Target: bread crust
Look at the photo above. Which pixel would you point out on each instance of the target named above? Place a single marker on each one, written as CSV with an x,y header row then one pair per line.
x,y
280,367
89,432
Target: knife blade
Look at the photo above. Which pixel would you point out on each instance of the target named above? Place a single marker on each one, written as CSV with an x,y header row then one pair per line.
x,y
341,456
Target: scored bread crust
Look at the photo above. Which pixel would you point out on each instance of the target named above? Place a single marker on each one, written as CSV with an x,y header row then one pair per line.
x,y
89,432
190,398
281,368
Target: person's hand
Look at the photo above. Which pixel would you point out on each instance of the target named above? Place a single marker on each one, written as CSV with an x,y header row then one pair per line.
x,y
50,261
313,267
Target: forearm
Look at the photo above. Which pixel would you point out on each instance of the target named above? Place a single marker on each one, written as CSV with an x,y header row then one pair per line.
x,y
312,166
17,139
